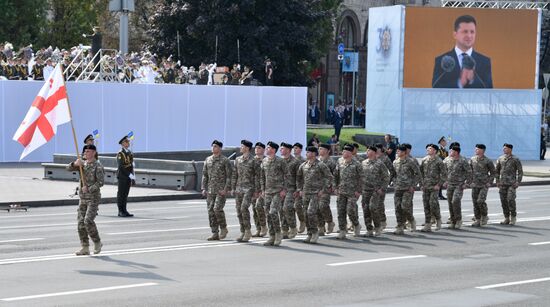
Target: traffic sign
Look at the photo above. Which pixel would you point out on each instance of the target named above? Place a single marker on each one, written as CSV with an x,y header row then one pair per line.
x,y
340,57
341,48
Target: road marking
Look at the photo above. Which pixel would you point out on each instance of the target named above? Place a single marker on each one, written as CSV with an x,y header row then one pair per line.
x,y
21,240
36,215
20,298
514,283
376,260
540,243
126,220
161,230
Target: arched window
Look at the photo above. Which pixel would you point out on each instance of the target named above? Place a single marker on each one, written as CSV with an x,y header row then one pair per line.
x,y
347,32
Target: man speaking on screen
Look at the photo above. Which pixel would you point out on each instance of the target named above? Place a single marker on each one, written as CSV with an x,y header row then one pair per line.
x,y
463,67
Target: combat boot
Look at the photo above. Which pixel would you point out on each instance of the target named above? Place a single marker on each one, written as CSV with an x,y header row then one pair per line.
x,y
285,234
322,231
399,230
341,235
314,238
330,227
357,230
505,222
97,247
484,220
369,233
378,231
270,241
308,239
223,233
263,232
240,238
413,225
278,238
438,224
85,250
452,225
247,235
427,227
477,223
257,233
458,224
513,220
302,227
383,225
292,233
214,237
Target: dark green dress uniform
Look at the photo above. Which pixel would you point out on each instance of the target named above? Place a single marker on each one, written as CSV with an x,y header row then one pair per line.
x,y
38,72
125,174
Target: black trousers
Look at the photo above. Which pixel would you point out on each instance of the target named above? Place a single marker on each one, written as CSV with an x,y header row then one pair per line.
x,y
122,194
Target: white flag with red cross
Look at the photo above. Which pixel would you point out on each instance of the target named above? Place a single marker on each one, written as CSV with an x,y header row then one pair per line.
x,y
49,109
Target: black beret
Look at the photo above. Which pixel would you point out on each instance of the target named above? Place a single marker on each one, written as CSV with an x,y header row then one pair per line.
x,y
508,145
312,149
453,144
456,148
262,145
124,138
90,147
216,142
379,145
441,139
402,147
246,143
433,146
88,137
273,145
298,145
372,147
348,147
408,146
325,146
481,146
356,145
286,145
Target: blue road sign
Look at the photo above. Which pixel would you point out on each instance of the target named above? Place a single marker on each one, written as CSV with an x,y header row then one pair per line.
x,y
341,48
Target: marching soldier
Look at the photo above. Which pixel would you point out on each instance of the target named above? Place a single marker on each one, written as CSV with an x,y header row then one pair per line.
x,y
90,196
383,156
245,186
274,188
442,153
216,182
325,214
298,204
483,171
125,176
377,178
406,178
433,174
348,182
288,217
89,140
313,180
509,174
260,218
356,153
459,176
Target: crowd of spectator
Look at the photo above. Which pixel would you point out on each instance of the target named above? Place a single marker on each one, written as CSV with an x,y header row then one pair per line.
x,y
334,114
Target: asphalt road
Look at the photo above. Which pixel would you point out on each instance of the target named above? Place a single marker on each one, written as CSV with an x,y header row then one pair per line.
x,y
161,258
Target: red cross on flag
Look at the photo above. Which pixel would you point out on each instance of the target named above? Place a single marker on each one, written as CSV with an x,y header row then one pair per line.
x,y
49,109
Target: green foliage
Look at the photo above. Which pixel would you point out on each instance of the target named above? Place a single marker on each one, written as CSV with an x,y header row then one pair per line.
x,y
22,22
70,19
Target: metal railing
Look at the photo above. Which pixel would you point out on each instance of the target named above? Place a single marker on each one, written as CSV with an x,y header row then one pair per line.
x,y
497,4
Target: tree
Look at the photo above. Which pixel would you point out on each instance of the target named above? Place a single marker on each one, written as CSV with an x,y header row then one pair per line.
x,y
23,22
293,33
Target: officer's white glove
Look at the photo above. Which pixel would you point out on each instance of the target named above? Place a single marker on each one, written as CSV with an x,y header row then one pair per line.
x,y
132,176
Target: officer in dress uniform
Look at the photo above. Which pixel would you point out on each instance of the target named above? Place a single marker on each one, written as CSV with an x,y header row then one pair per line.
x,y
125,176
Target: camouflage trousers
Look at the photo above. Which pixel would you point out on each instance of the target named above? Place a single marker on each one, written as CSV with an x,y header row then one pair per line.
x,y
325,214
300,210
479,198
347,207
216,216
272,207
402,200
372,209
454,198
311,207
430,199
383,204
288,214
508,200
87,211
243,202
259,212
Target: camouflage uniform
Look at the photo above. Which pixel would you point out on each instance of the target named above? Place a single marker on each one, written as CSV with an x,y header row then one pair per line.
x,y
273,180
288,213
313,177
245,184
458,174
377,177
216,177
483,171
389,165
325,214
298,202
508,172
258,209
407,176
348,179
94,176
433,173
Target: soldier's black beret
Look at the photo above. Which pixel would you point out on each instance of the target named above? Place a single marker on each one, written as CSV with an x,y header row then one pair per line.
x,y
508,145
372,147
408,146
441,139
379,145
273,145
356,145
246,143
348,147
90,147
401,147
88,137
124,138
481,146
216,142
298,145
456,148
312,149
453,144
262,145
286,145
433,146
325,146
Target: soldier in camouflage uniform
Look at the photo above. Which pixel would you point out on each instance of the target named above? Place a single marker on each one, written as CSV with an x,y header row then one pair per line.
x,y
260,218
377,178
483,171
509,174
383,156
325,214
216,183
434,174
90,195
298,203
348,182
288,213
356,154
415,161
245,185
273,182
406,178
459,176
313,179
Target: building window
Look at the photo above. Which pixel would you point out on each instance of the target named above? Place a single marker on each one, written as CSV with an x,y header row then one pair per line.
x,y
347,32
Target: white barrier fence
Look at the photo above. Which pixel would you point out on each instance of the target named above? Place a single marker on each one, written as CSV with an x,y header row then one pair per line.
x,y
163,117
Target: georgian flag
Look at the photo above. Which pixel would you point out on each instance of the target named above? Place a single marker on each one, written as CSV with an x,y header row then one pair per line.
x,y
49,109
